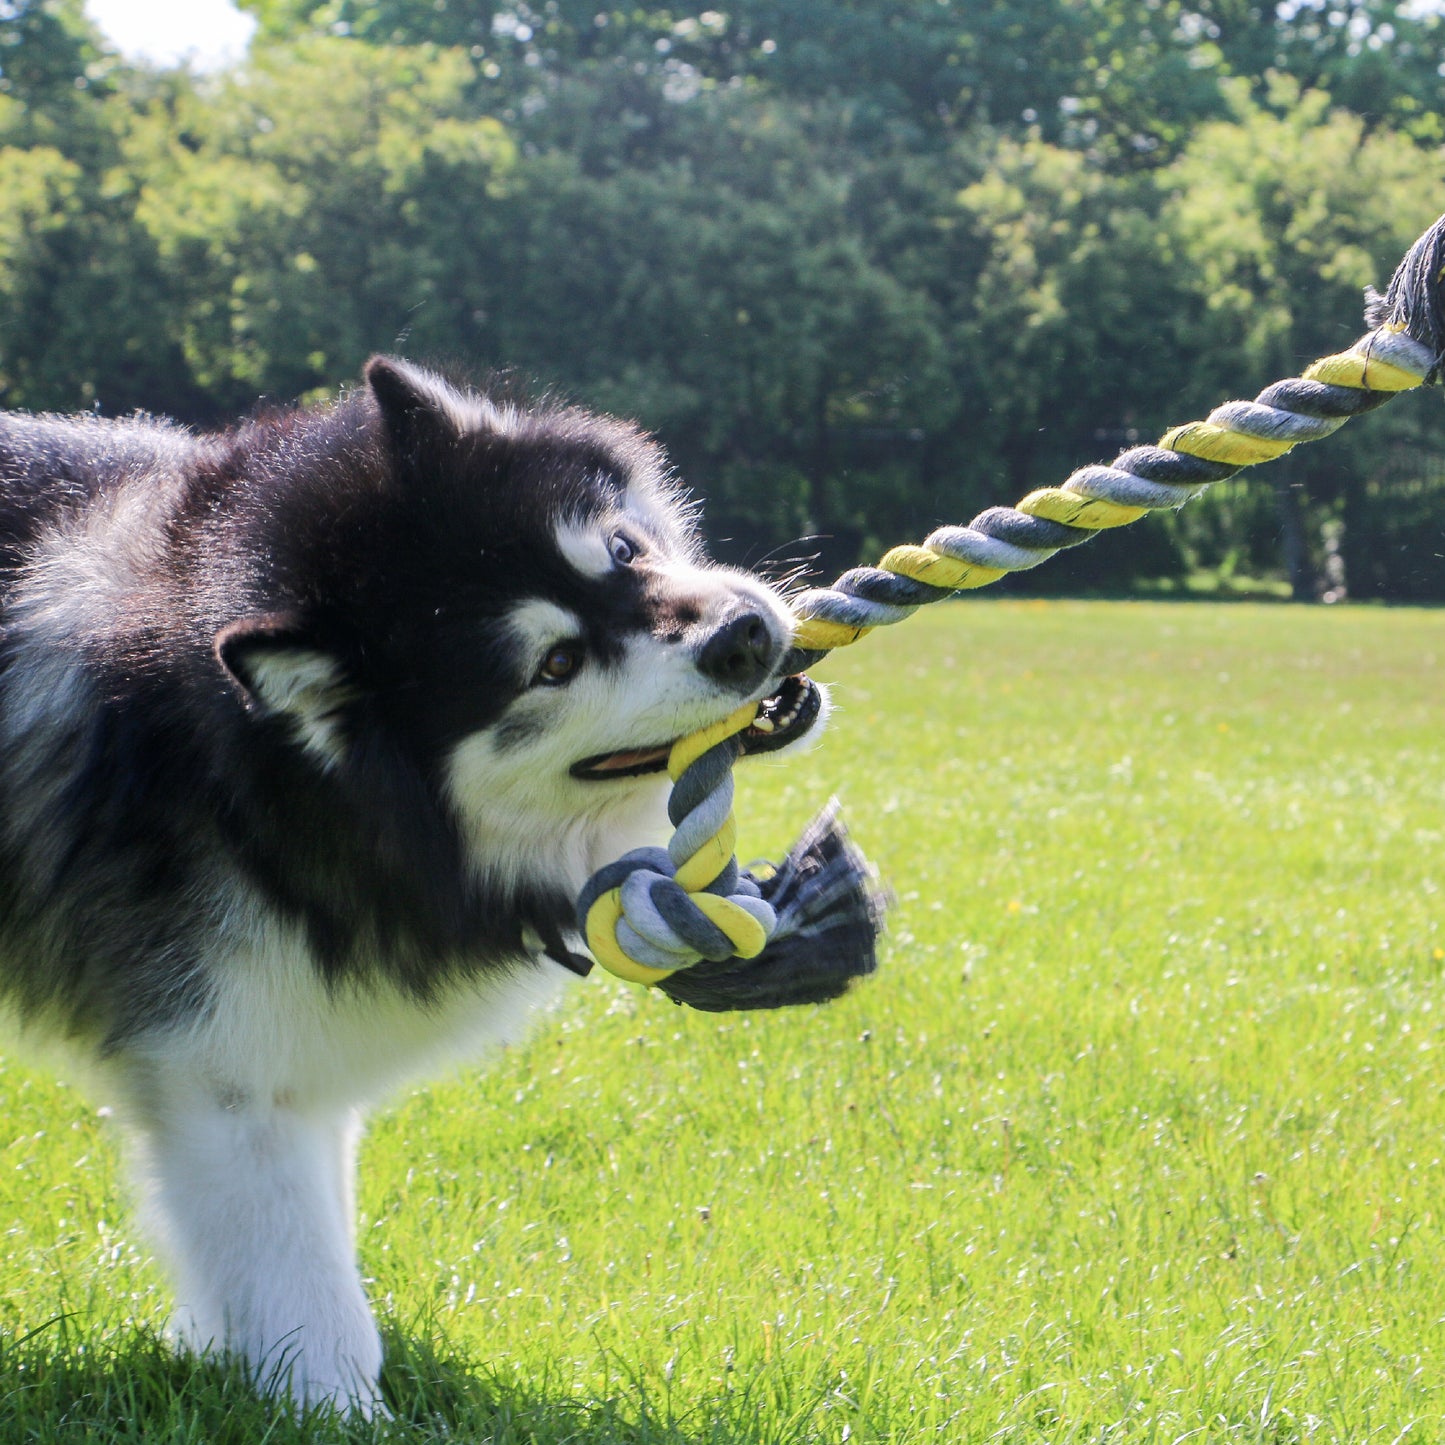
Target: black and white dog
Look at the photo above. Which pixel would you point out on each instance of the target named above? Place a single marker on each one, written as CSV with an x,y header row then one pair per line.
x,y
310,733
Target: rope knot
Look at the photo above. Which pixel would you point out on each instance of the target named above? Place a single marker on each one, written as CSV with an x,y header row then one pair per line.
x,y
642,924
686,918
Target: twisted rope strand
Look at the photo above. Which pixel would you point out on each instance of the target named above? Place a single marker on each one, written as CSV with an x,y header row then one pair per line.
x,y
654,910
1185,463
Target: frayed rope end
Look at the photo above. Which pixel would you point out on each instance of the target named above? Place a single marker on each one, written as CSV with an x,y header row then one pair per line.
x,y
1415,302
830,909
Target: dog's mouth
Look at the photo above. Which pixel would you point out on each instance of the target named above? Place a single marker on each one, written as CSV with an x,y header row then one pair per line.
x,y
782,718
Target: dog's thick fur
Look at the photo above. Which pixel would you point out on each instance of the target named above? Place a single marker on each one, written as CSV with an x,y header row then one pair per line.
x,y
291,809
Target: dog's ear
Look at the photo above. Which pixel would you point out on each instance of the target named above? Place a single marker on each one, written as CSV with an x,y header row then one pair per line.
x,y
285,673
418,409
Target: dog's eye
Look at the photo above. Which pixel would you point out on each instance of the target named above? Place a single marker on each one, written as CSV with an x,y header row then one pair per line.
x,y
623,551
560,662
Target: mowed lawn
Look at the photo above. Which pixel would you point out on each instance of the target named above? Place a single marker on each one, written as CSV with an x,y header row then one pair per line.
x,y
1136,1136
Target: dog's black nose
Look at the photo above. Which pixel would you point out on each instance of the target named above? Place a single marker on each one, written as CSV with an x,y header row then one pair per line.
x,y
741,653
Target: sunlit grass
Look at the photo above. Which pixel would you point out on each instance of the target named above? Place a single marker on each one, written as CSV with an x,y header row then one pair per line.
x,y
1137,1136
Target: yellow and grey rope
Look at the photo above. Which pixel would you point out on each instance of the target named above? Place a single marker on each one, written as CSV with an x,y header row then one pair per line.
x,y
658,910
1187,460
653,915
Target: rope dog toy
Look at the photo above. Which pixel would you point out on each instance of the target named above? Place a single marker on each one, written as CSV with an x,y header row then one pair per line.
x,y
689,921
1187,460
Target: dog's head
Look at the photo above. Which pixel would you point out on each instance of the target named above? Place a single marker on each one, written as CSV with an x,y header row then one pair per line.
x,y
519,602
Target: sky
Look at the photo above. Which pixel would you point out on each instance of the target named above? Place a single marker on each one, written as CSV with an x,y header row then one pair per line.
x,y
207,32
210,33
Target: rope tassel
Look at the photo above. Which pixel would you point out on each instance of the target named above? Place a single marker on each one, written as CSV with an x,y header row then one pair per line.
x,y
687,920
829,910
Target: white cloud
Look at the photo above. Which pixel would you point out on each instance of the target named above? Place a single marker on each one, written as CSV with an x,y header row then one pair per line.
x,y
207,33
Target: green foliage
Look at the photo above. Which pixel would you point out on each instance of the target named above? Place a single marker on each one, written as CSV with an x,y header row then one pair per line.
x,y
308,209
49,54
1379,58
865,267
1281,217
760,334
1284,213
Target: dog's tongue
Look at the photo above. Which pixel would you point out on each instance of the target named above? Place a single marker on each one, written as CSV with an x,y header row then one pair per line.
x,y
636,758
790,711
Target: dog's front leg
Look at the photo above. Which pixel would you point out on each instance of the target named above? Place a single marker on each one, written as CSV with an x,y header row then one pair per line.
x,y
251,1202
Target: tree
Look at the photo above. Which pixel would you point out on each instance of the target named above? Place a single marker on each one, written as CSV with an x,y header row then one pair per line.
x,y
82,301
927,66
314,210
732,305
1281,217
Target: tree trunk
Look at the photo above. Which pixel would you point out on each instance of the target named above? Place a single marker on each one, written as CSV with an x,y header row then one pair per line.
x,y
1303,584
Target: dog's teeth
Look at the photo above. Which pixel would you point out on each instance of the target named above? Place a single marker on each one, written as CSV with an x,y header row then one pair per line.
x,y
763,724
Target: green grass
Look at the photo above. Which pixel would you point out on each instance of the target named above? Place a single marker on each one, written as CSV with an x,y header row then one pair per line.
x,y
1136,1137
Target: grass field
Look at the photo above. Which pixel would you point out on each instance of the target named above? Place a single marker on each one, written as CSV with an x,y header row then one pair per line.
x,y
1136,1137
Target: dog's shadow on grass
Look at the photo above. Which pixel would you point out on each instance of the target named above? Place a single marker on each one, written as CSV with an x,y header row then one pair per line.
x,y
58,1386
433,1390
